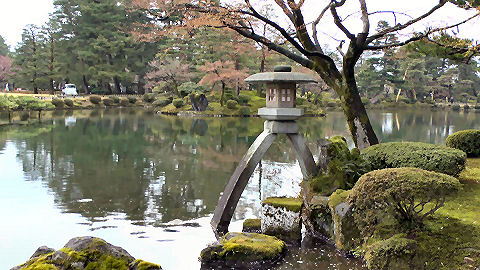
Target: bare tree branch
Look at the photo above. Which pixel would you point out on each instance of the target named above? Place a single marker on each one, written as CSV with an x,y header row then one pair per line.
x,y
419,36
272,46
398,27
285,34
365,20
337,20
316,22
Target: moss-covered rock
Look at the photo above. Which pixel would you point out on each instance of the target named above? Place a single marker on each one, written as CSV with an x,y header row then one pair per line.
x,y
89,253
252,225
466,140
320,216
339,167
281,218
249,250
346,234
291,204
425,156
396,252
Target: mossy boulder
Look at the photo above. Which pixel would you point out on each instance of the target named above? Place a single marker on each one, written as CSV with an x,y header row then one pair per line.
x,y
281,218
346,234
320,217
425,156
396,252
466,140
247,250
339,167
85,253
252,225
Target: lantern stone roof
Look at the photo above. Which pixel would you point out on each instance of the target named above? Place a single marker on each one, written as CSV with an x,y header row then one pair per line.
x,y
281,74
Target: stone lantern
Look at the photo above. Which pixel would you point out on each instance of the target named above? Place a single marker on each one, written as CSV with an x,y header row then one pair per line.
x,y
280,114
281,88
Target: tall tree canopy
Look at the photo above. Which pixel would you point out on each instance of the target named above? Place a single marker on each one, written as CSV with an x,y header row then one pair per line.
x,y
4,49
306,46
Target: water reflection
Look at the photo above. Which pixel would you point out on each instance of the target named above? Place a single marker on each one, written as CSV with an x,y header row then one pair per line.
x,y
122,174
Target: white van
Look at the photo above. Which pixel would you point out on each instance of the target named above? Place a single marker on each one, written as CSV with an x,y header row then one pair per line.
x,y
70,90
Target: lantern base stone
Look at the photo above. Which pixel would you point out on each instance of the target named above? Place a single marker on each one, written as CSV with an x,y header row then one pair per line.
x,y
281,127
280,113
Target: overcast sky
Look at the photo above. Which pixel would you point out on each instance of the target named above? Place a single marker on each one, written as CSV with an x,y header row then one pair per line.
x,y
16,14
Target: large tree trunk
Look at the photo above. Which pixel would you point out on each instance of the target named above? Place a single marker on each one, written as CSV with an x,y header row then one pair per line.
x,y
222,94
345,86
85,84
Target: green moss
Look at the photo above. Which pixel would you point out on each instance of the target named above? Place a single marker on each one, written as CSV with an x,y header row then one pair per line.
x,y
425,156
472,171
40,263
291,204
444,240
338,197
252,223
245,246
396,252
344,168
143,265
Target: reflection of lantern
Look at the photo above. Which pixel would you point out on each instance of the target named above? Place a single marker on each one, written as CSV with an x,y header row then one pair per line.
x,y
281,92
281,114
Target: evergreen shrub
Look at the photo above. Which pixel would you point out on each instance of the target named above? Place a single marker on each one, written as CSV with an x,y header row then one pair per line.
x,y
95,99
68,102
108,102
300,101
178,102
149,97
456,107
426,156
409,195
115,99
124,102
232,104
162,102
243,99
245,111
466,140
132,100
466,107
58,103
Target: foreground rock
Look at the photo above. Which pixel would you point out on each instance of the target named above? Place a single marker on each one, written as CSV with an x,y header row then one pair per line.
x,y
243,251
85,253
281,218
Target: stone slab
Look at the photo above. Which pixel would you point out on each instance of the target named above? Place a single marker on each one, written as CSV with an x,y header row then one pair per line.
x,y
281,127
280,113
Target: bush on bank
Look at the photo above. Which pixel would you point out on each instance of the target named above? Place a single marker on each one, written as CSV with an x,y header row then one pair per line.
x,y
425,156
409,195
466,140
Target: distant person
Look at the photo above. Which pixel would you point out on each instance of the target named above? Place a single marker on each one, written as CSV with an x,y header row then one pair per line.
x,y
6,88
451,99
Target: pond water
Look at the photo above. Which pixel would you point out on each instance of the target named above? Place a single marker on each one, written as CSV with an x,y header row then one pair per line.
x,y
150,183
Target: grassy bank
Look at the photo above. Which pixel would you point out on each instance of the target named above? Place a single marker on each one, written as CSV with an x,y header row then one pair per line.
x,y
246,104
450,239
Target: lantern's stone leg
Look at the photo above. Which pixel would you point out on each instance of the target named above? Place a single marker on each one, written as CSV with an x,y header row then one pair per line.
x,y
239,180
305,157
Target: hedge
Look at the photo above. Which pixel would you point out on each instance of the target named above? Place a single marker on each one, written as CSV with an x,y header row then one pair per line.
x,y
232,104
401,193
58,103
425,156
178,102
95,99
68,102
466,140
